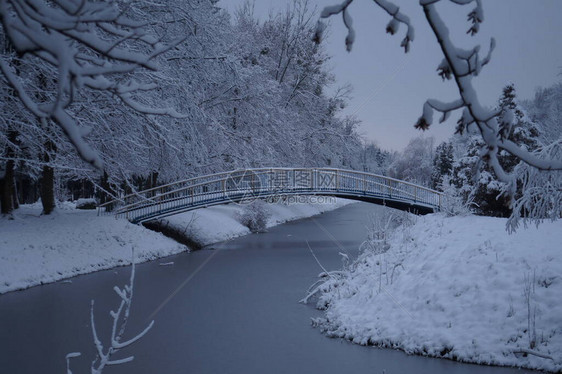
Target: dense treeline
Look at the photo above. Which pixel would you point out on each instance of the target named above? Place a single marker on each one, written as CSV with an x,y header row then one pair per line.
x,y
242,93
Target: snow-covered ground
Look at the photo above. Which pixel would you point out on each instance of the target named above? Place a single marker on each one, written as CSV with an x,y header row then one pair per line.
x,y
456,287
37,249
218,223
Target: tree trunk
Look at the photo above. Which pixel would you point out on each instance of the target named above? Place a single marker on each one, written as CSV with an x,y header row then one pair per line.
x,y
151,182
16,200
8,197
48,181
154,179
48,189
7,185
7,189
2,196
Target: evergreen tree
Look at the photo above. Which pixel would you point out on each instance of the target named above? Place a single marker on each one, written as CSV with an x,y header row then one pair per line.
x,y
442,164
475,179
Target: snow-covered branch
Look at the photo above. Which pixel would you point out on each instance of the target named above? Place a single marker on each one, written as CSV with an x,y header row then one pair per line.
x,y
120,318
89,44
463,67
430,105
397,18
391,28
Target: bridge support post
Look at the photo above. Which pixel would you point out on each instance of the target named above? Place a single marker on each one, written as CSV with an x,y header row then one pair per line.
x,y
337,181
313,181
388,187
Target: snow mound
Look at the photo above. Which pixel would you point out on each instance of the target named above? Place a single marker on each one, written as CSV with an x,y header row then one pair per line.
x,y
459,288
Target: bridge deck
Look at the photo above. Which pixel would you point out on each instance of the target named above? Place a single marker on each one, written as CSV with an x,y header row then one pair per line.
x,y
249,184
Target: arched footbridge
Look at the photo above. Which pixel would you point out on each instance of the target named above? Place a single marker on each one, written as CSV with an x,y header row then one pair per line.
x,y
248,184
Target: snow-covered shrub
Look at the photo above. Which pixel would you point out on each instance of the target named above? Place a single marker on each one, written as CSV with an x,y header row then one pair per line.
x,y
379,230
323,290
254,216
384,262
453,202
532,205
377,243
377,252
529,295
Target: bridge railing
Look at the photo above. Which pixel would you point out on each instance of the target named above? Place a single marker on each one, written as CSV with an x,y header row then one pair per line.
x,y
242,183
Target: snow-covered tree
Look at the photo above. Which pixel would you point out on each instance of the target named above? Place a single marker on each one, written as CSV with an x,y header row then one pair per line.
x,y
546,109
442,165
279,108
476,179
133,144
516,126
373,159
476,184
140,150
415,162
91,45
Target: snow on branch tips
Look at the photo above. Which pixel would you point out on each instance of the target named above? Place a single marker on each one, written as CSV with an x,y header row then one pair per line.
x,y
391,28
85,44
430,105
120,318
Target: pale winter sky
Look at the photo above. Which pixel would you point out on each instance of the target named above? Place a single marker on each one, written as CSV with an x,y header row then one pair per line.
x,y
390,87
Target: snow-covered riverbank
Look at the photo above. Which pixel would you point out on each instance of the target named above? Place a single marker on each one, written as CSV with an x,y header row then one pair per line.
x,y
37,249
219,223
459,288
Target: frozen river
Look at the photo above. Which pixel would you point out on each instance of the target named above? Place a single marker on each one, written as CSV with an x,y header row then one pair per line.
x,y
232,308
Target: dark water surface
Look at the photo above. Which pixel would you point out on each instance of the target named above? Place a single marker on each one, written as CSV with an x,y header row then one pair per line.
x,y
231,309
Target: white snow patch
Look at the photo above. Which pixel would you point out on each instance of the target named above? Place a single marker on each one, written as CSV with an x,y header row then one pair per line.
x,y
460,293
